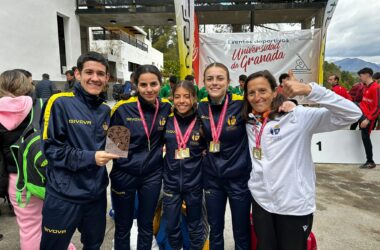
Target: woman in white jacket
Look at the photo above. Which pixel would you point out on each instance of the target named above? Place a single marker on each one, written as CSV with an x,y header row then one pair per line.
x,y
282,181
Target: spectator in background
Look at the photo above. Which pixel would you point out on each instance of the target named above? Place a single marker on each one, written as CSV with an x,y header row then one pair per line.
x,y
376,77
129,87
70,81
165,91
239,90
283,77
45,88
29,76
335,86
117,89
192,79
356,92
370,106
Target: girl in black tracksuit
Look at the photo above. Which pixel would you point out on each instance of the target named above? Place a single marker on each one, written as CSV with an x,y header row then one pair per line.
x,y
141,173
182,169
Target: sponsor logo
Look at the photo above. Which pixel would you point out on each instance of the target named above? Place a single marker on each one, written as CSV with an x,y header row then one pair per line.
x,y
170,131
133,119
204,117
55,231
305,227
84,122
117,192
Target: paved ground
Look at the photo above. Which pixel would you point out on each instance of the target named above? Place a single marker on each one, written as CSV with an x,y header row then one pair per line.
x,y
347,216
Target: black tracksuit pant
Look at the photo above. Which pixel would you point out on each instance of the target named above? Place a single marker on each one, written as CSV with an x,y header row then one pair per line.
x,y
280,232
367,142
172,208
216,193
123,191
61,218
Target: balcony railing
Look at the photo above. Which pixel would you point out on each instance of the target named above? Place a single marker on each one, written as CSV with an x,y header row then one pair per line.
x,y
101,34
104,4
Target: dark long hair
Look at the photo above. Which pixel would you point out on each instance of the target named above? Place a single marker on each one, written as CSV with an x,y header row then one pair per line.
x,y
147,68
189,86
277,101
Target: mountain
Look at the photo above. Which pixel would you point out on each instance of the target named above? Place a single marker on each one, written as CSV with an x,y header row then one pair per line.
x,y
356,64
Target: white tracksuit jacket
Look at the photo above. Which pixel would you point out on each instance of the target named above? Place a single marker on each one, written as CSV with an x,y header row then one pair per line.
x,y
283,181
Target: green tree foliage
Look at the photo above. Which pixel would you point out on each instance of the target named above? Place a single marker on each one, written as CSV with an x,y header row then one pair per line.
x,y
347,79
164,39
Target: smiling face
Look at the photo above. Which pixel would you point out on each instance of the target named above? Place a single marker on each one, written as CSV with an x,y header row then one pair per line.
x,y
260,95
93,77
216,82
148,87
183,100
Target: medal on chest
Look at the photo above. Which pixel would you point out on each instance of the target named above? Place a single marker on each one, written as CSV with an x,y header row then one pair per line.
x,y
183,151
217,130
257,152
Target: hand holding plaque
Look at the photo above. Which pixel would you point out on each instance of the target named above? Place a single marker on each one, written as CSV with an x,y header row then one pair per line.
x,y
118,138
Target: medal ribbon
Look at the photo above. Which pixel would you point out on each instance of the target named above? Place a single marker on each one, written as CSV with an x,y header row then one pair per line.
x,y
148,133
182,140
218,130
258,134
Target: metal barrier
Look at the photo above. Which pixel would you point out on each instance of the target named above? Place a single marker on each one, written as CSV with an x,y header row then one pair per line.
x,y
119,35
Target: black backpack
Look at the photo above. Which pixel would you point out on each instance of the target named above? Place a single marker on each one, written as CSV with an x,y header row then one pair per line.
x,y
117,91
31,163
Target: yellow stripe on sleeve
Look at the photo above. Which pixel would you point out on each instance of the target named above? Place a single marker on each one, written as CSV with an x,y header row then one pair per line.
x,y
119,103
48,108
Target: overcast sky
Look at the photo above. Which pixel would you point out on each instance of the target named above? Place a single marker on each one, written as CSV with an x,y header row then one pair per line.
x,y
354,31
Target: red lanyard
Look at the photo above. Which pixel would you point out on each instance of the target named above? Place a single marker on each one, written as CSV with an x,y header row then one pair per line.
x,y
182,140
217,131
259,134
148,133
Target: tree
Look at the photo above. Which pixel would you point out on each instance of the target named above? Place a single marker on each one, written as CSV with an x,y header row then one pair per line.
x,y
347,79
164,39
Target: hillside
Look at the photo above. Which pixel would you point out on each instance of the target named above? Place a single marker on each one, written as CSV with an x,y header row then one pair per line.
x,y
355,64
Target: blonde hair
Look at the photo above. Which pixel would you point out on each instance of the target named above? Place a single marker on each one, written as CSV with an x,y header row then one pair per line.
x,y
14,83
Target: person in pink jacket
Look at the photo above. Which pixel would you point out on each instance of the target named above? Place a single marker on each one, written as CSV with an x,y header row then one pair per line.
x,y
15,106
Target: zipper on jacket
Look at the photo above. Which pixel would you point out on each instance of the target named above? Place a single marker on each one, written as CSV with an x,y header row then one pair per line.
x,y
180,175
94,131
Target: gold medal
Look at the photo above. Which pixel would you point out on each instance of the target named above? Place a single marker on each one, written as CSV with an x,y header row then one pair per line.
x,y
257,153
178,154
214,147
185,152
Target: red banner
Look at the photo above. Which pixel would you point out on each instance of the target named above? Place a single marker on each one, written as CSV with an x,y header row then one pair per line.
x,y
196,50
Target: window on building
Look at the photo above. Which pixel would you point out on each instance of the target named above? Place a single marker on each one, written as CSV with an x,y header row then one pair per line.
x,y
62,46
132,66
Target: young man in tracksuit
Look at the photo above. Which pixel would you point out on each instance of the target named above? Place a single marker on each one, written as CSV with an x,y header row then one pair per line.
x,y
370,106
145,116
227,165
74,126
337,88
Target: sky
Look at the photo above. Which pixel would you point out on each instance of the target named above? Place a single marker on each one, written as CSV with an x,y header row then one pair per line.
x,y
354,31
